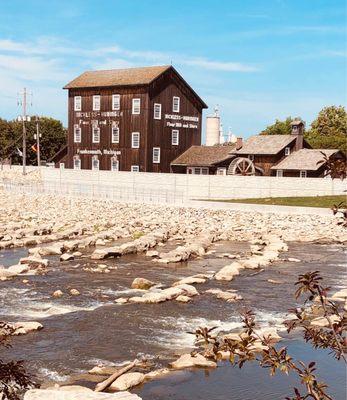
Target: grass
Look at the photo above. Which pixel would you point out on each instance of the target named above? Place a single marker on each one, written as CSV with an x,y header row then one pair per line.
x,y
318,201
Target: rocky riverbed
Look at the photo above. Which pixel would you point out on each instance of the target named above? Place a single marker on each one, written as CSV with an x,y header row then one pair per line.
x,y
110,283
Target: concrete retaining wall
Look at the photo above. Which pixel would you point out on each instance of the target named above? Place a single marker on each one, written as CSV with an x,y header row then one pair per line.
x,y
196,186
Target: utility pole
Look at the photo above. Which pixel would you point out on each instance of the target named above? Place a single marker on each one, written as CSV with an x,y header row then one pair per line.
x,y
24,118
38,142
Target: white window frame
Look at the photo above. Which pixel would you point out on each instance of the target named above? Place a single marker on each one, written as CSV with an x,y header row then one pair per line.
x,y
175,137
136,106
156,155
157,111
198,170
114,161
62,165
135,168
94,159
279,173
96,139
96,102
135,140
176,104
75,136
78,103
115,135
287,151
116,102
76,163
221,171
303,173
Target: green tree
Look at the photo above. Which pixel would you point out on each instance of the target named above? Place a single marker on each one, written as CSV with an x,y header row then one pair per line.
x,y
53,137
279,127
329,129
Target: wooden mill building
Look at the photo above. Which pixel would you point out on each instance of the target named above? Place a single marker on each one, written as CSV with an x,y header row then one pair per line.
x,y
136,119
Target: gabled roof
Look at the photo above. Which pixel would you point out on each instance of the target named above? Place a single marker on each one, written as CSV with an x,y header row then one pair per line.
x,y
304,159
204,156
265,144
117,77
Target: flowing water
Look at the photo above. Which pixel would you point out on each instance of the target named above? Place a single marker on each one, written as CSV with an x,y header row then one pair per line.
x,y
83,331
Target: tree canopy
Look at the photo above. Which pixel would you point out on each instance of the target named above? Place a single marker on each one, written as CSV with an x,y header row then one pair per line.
x,y
327,131
53,137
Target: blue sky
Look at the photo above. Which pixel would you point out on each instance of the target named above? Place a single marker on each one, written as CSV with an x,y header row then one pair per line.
x,y
259,60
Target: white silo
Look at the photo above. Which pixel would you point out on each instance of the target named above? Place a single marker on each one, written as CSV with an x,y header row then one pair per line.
x,y
212,128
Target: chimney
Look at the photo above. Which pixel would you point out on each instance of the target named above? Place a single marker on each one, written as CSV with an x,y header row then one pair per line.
x,y
298,128
238,143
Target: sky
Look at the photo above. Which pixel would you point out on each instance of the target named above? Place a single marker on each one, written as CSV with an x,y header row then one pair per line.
x,y
257,60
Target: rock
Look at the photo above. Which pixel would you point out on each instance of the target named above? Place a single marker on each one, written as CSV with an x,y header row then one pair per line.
x,y
268,331
274,281
142,283
22,328
127,381
57,394
100,242
25,281
251,263
152,253
183,299
66,257
292,259
228,296
323,322
75,388
340,295
74,292
5,273
57,293
188,361
103,370
54,250
77,254
228,272
158,373
34,261
121,300
18,269
190,280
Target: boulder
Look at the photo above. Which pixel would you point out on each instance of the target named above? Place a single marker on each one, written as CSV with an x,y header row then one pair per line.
x,y
22,328
323,321
103,370
230,297
292,259
340,295
158,373
74,292
152,253
183,299
56,394
54,250
121,300
34,261
142,283
66,257
127,381
5,273
189,361
189,281
251,263
228,272
57,293
18,269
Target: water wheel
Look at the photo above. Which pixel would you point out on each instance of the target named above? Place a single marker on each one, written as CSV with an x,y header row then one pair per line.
x,y
241,166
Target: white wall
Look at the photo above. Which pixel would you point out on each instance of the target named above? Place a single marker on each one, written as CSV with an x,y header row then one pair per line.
x,y
199,186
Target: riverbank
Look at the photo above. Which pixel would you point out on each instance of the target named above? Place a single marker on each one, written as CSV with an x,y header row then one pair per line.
x,y
98,331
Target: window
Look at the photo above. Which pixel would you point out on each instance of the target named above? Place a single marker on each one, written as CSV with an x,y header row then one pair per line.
x,y
279,173
95,163
157,111
176,104
175,134
96,134
198,171
96,103
76,163
116,102
136,106
135,140
287,151
303,174
77,134
114,164
156,155
251,157
62,165
78,103
221,171
115,134
135,168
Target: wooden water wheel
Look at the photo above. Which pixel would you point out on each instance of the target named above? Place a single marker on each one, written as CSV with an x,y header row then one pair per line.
x,y
241,166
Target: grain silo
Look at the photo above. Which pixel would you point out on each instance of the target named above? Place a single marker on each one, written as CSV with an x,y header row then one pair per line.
x,y
213,128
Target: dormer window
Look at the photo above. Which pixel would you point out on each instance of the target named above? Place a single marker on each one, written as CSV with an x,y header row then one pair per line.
x,y
287,151
295,128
